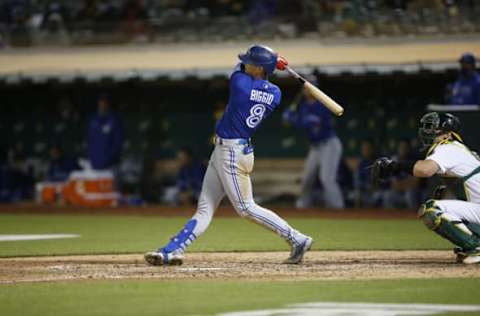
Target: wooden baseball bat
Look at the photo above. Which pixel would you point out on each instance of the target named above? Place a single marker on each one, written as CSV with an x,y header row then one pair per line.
x,y
318,94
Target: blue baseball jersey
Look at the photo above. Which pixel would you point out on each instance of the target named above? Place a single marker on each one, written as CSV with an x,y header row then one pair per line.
x,y
314,118
105,140
250,102
466,90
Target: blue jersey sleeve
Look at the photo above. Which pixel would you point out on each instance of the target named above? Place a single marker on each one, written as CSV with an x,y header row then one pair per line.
x,y
278,96
240,82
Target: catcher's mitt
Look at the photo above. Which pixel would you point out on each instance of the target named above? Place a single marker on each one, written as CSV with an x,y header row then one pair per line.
x,y
382,168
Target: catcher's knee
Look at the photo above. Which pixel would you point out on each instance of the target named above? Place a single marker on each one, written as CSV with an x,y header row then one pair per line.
x,y
430,214
449,228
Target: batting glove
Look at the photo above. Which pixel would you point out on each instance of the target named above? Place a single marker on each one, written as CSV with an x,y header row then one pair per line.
x,y
282,63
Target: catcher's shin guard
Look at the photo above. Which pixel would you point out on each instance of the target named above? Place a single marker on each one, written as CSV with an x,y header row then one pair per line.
x,y
454,231
474,228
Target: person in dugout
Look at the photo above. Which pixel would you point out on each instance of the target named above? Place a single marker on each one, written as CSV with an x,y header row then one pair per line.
x,y
105,136
466,90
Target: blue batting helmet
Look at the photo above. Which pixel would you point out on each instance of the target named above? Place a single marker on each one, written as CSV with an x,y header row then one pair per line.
x,y
262,56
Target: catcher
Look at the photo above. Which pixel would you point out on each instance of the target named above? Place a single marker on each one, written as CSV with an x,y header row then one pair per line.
x,y
455,220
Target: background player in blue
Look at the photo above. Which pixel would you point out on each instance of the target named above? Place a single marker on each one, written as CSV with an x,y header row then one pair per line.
x,y
105,136
252,98
466,90
324,154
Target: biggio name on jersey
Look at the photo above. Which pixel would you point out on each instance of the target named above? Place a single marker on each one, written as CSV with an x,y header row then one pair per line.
x,y
258,110
261,96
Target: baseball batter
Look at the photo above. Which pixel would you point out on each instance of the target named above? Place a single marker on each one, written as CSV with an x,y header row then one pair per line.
x,y
252,99
455,220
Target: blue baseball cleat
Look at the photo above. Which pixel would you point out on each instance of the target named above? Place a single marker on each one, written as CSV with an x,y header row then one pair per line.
x,y
298,251
172,253
163,258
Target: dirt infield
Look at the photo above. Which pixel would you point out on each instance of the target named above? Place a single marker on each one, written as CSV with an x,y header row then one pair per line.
x,y
319,265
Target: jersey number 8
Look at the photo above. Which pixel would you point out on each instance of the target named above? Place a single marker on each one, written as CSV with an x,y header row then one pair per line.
x,y
256,115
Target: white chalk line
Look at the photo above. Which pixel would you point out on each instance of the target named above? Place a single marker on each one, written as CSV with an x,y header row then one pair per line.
x,y
358,309
23,237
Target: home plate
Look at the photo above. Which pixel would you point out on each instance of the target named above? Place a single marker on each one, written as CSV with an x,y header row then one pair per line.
x,y
201,269
36,237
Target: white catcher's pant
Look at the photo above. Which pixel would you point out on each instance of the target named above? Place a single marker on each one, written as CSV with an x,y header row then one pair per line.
x,y
322,163
460,210
228,173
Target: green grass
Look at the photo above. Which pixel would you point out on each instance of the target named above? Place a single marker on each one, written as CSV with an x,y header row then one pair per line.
x,y
129,234
153,297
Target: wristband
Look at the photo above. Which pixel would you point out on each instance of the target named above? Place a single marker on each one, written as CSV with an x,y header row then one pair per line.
x,y
405,166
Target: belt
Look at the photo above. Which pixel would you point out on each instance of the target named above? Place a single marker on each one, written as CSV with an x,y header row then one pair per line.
x,y
233,141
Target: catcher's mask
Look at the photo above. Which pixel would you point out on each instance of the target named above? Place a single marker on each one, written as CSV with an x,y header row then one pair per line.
x,y
434,124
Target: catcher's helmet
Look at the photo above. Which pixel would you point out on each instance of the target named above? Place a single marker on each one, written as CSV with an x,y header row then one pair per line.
x,y
260,55
434,124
